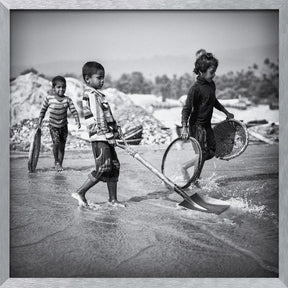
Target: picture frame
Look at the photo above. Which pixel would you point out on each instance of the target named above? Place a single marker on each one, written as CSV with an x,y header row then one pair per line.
x,y
6,7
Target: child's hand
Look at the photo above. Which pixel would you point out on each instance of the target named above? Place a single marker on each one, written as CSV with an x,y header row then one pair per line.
x,y
185,133
116,135
39,124
78,125
230,115
112,141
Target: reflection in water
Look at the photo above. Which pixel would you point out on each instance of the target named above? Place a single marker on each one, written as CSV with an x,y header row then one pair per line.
x,y
60,177
52,237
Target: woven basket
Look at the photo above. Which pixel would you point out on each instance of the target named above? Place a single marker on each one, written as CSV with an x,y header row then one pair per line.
x,y
231,139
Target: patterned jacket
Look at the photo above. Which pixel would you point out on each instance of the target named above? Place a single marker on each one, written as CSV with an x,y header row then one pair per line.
x,y
98,116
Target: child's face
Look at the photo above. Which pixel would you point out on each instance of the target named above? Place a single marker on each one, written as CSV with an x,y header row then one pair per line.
x,y
209,74
96,80
60,88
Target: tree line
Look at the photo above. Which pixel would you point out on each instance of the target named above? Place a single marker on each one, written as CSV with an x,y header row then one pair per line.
x,y
259,85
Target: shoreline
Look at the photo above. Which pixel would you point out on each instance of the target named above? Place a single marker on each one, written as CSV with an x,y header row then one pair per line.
x,y
151,237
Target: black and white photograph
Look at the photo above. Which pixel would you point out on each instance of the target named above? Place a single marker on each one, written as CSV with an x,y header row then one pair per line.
x,y
144,144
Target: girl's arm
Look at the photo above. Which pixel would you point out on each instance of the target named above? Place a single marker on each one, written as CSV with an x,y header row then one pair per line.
x,y
188,107
186,112
221,108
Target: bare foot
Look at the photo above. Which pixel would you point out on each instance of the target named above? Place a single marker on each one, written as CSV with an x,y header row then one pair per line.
x,y
116,203
58,167
81,199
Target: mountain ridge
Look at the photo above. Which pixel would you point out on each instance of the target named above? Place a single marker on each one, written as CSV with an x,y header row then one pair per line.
x,y
233,60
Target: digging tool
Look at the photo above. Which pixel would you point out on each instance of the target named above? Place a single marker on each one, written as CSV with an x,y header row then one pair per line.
x,y
34,149
194,202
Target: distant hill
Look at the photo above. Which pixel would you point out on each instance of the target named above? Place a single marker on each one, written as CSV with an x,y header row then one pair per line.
x,y
232,60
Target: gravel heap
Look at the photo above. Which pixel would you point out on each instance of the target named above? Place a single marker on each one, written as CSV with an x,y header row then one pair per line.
x,y
127,117
153,130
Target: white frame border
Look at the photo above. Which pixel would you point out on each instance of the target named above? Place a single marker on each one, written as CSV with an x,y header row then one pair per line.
x,y
5,7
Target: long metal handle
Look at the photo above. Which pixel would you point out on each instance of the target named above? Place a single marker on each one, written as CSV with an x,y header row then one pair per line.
x,y
143,161
166,180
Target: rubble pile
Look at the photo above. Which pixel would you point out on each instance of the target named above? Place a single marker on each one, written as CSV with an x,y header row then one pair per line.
x,y
153,130
28,92
127,117
21,136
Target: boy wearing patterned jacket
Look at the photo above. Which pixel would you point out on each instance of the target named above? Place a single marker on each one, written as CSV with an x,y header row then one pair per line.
x,y
58,105
102,129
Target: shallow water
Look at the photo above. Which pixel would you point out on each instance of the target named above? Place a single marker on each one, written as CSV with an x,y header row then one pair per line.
x,y
52,237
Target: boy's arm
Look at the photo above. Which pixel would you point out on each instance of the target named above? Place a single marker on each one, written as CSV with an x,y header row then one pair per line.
x,y
43,110
221,108
74,112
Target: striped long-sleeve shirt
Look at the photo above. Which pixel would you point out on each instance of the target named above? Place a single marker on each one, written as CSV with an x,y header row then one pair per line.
x,y
58,110
98,115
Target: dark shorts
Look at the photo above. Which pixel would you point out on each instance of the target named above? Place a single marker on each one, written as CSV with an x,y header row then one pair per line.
x,y
107,165
205,136
58,135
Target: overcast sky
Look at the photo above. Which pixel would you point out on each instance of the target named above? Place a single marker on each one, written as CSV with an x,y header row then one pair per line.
x,y
39,37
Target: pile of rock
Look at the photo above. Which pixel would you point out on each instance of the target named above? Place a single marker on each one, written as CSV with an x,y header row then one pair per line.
x,y
127,117
21,133
28,92
21,136
153,131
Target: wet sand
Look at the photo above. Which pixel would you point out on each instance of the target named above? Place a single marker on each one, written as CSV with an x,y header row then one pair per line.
x,y
52,237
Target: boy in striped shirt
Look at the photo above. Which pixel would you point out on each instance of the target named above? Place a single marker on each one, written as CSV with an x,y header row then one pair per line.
x,y
58,105
102,129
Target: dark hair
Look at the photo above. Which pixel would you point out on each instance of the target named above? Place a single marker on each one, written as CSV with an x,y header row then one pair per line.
x,y
205,61
200,52
58,79
91,68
